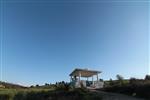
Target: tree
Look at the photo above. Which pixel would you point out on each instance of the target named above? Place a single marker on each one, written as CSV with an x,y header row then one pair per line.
x,y
119,77
46,84
37,85
111,83
147,77
101,80
31,86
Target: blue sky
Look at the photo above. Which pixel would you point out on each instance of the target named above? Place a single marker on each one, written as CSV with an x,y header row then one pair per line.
x,y
43,41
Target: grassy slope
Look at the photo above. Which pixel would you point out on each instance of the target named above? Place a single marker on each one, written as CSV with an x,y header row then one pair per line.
x,y
47,94
138,87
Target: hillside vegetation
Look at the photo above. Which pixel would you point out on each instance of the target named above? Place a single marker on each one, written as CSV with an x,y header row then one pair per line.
x,y
139,88
133,87
61,91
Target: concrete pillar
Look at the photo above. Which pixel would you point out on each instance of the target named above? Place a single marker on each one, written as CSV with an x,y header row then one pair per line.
x,y
79,76
97,78
92,80
70,78
79,79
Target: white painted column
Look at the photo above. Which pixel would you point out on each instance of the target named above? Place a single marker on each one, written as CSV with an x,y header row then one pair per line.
x,y
93,80
70,78
79,79
97,78
79,76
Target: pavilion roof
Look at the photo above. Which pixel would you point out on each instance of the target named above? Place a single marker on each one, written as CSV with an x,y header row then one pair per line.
x,y
84,72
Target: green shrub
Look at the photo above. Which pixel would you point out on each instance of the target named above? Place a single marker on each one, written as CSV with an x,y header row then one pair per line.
x,y
75,94
4,97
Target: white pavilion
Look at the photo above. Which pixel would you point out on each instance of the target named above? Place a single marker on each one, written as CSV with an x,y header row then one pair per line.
x,y
78,74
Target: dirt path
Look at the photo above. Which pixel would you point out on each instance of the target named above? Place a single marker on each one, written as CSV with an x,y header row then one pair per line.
x,y
115,96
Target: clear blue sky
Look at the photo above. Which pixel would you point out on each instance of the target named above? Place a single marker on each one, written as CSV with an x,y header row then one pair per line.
x,y
43,41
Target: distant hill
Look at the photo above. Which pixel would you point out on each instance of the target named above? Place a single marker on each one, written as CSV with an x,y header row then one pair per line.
x,y
10,85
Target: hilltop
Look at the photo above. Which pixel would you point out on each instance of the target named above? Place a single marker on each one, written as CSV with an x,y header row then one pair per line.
x,y
10,85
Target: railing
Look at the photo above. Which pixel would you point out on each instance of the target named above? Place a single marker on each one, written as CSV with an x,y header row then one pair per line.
x,y
95,84
98,84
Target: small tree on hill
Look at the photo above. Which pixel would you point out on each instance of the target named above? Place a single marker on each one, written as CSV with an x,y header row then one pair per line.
x,y
46,84
120,79
147,77
31,86
111,83
37,85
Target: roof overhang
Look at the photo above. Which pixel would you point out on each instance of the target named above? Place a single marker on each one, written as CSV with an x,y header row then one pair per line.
x,y
84,72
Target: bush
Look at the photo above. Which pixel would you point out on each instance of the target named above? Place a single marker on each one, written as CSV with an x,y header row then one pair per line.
x,y
63,86
76,94
20,96
4,97
134,87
